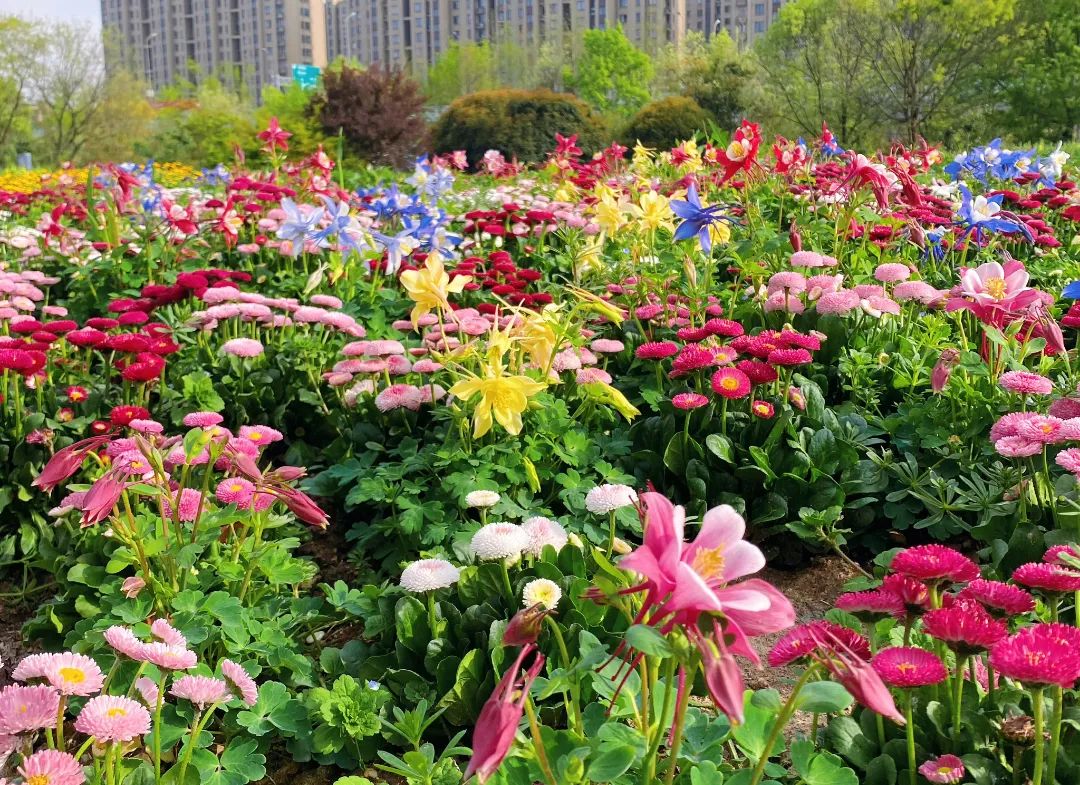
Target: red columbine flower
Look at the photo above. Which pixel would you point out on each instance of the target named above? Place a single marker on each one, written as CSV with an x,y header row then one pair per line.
x,y
913,593
935,562
997,597
741,153
908,667
802,641
1041,654
762,409
1050,578
869,605
731,383
965,627
689,400
656,350
275,137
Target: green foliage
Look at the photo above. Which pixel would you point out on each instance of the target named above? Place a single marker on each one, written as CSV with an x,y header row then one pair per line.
x,y
345,718
292,107
202,129
612,75
664,123
712,72
519,123
463,68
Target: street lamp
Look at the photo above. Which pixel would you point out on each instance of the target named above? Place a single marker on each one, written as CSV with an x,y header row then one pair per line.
x,y
149,62
348,35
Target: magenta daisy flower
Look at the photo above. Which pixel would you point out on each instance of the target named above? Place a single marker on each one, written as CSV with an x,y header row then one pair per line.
x,y
790,357
871,605
724,328
998,597
1026,383
964,627
689,400
817,636
51,767
260,434
200,690
238,677
731,383
908,667
947,770
235,490
1036,655
1050,578
1065,555
188,507
399,396
26,708
1018,447
113,718
934,562
757,372
913,593
691,358
656,350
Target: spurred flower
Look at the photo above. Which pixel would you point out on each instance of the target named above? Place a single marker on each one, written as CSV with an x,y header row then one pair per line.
x,y
1037,655
113,718
908,667
1050,578
964,626
998,597
819,635
935,562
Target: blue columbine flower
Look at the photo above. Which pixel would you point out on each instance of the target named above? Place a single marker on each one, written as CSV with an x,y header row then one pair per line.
x,y
297,227
980,213
697,220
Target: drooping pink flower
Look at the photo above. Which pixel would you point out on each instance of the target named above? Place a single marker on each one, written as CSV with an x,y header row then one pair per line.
x,y
939,377
804,640
245,686
1051,578
498,721
998,597
51,767
26,708
1038,655
964,626
908,667
860,679
947,770
934,562
132,586
200,690
1025,383
723,676
113,718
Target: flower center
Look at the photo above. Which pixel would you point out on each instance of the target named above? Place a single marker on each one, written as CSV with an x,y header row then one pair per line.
x,y
730,383
906,667
73,675
116,711
736,151
995,287
38,779
709,563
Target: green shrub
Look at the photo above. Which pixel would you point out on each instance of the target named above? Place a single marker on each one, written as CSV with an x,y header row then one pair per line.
x,y
663,124
520,123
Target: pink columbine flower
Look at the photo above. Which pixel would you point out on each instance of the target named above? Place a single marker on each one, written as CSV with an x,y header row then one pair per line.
x,y
51,767
1026,383
689,400
132,586
908,667
200,690
948,770
989,284
935,562
28,708
113,718
939,377
1043,654
245,686
242,347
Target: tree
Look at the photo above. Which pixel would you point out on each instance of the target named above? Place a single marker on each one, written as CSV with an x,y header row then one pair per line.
x,y
816,65
664,123
380,113
20,48
461,69
612,74
205,129
122,129
67,86
711,72
928,55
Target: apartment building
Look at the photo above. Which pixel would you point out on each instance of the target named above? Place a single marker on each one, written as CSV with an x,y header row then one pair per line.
x,y
745,20
244,42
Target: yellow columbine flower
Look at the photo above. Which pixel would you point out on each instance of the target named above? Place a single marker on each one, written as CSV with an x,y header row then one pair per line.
x,y
655,210
589,256
643,157
502,397
430,287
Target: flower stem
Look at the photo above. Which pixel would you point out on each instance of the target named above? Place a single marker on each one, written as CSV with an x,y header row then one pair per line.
x,y
1055,735
677,729
1037,715
778,726
538,743
909,729
506,583
611,533
654,746
578,722
958,695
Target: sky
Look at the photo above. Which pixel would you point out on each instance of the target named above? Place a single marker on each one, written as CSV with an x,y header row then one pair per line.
x,y
72,10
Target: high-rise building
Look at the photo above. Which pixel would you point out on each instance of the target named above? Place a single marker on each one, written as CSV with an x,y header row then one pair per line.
x,y
242,42
745,20
413,33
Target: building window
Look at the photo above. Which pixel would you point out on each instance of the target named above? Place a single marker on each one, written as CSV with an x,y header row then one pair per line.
x,y
759,9
759,27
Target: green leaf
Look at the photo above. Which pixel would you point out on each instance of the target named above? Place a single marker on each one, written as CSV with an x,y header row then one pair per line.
x,y
823,697
881,771
720,446
820,768
648,641
275,708
611,762
847,738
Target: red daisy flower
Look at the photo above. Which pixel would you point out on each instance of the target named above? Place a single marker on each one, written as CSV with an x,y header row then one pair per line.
x,y
731,383
1050,578
1039,654
999,597
908,667
869,605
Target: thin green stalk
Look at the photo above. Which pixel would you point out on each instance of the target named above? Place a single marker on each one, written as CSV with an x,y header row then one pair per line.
x,y
1037,715
538,743
778,727
958,696
506,583
677,730
909,728
1055,735
577,721
611,533
658,732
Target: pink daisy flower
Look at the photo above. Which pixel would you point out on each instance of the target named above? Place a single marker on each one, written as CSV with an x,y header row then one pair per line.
x,y
908,667
656,350
786,282
146,426
1017,447
1040,428
731,383
999,597
689,400
790,357
73,674
51,767
762,410
871,605
399,396
783,301
1064,555
148,691
245,685
260,434
892,272
200,690
839,303
724,328
964,627
1069,460
1050,578
172,658
27,708
123,641
235,490
647,312
592,376
1009,424
691,358
948,769
916,290
607,346
188,506
543,532
427,366
1026,383
935,562
1037,655
164,631
113,718
912,592
242,347
807,259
